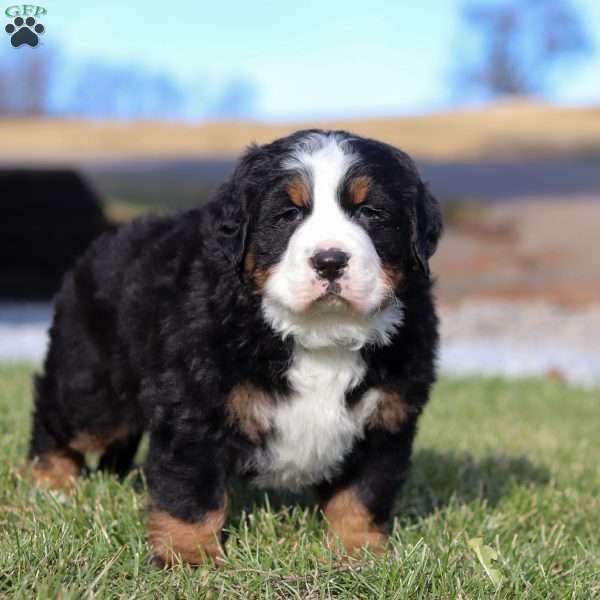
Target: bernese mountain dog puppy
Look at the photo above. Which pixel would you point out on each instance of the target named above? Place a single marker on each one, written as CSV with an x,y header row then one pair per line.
x,y
284,333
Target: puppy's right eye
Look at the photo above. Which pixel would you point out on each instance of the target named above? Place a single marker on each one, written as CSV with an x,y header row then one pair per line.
x,y
290,215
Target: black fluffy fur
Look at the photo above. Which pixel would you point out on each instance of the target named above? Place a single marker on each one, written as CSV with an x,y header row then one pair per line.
x,y
159,321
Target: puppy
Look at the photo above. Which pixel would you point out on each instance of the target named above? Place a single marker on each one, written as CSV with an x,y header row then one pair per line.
x,y
284,333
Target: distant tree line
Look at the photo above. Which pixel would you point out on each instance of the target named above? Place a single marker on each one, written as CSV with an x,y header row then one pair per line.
x,y
510,48
35,82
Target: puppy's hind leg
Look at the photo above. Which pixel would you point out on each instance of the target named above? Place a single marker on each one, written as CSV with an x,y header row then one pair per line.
x,y
54,464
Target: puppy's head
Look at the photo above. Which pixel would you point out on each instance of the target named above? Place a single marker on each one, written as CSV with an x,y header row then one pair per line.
x,y
328,227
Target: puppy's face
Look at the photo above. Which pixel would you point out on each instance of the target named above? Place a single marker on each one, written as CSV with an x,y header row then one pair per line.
x,y
332,237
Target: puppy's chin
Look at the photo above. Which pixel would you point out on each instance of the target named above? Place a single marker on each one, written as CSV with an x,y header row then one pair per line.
x,y
331,302
331,320
331,298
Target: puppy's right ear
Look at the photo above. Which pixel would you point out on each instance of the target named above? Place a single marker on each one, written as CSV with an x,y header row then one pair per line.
x,y
426,228
232,207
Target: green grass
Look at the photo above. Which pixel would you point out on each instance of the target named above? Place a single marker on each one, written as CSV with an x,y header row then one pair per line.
x,y
516,464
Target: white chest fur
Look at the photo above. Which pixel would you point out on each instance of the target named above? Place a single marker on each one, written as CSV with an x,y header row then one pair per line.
x,y
314,429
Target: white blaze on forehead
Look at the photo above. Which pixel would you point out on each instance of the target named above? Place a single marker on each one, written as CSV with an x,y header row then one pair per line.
x,y
326,166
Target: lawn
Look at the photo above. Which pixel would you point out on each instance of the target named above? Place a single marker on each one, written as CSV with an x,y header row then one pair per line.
x,y
512,464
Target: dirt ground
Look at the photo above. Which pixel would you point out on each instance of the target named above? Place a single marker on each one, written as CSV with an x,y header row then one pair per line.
x,y
534,250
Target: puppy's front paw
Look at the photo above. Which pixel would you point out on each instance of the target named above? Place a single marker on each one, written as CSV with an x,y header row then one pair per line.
x,y
173,539
351,522
56,470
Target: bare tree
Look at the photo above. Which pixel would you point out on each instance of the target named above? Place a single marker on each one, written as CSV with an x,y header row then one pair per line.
x,y
25,83
518,44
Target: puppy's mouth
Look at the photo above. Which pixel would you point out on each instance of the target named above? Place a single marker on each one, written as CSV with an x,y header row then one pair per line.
x,y
332,296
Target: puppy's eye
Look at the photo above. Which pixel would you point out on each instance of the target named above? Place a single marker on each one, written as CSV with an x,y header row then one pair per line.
x,y
368,213
289,215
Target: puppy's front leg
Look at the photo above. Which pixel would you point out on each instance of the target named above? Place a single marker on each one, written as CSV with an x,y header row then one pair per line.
x,y
187,482
358,505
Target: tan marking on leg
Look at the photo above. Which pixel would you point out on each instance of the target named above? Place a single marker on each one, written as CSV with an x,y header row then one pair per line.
x,y
359,188
391,413
56,470
248,408
299,192
194,543
351,522
87,441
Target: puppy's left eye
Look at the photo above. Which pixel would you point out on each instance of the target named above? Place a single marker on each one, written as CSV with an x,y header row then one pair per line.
x,y
367,212
290,215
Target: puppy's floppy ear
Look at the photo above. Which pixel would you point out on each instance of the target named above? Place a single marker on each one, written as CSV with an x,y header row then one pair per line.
x,y
231,224
425,217
231,215
426,228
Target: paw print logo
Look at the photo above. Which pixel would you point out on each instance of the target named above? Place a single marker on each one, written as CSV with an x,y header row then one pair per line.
x,y
24,31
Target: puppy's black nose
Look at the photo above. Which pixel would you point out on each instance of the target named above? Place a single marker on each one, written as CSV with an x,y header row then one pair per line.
x,y
329,263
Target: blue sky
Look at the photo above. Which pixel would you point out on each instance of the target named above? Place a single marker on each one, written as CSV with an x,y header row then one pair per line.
x,y
307,59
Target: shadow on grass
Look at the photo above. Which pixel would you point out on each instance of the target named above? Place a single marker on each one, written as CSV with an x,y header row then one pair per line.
x,y
435,480
246,497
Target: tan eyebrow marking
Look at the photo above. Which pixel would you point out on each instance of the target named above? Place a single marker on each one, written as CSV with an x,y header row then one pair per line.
x,y
299,192
359,188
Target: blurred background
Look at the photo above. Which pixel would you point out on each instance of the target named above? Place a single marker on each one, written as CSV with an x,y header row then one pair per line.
x,y
123,108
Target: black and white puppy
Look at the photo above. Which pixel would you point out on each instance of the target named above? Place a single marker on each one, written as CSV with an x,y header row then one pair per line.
x,y
285,333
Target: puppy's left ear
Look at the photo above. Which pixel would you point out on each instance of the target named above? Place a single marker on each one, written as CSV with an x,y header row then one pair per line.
x,y
426,228
232,207
232,225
